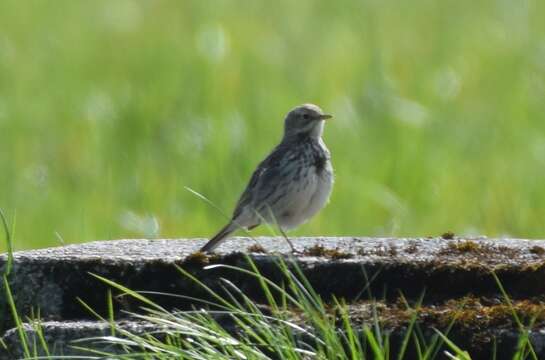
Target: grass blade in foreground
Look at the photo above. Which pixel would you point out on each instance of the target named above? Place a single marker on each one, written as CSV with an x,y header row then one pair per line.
x,y
294,323
9,244
20,329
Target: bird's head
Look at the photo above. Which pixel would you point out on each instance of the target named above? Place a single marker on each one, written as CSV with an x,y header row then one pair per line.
x,y
306,120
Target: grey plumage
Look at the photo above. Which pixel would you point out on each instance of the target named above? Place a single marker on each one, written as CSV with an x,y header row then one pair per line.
x,y
293,182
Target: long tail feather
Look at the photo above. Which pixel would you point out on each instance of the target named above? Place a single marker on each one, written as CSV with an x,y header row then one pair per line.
x,y
218,238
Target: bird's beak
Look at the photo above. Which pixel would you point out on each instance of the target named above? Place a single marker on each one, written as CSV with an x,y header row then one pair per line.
x,y
325,117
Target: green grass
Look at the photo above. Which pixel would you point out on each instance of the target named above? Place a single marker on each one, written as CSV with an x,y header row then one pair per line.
x,y
196,334
297,325
322,331
109,109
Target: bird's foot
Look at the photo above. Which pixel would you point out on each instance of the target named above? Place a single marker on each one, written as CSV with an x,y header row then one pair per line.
x,y
294,251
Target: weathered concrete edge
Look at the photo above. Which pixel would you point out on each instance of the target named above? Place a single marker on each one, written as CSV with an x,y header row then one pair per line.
x,y
51,279
170,250
60,337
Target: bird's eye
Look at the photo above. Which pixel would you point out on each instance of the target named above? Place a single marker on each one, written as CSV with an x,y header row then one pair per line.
x,y
306,116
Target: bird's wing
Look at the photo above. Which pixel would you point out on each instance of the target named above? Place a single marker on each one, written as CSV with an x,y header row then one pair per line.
x,y
267,173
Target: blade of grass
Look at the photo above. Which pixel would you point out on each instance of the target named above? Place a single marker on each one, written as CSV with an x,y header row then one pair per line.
x,y
247,272
217,208
110,306
461,354
524,338
38,329
209,290
351,336
412,321
126,290
88,308
263,284
375,347
9,245
19,325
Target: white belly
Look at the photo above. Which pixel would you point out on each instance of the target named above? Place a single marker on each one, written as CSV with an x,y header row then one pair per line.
x,y
309,196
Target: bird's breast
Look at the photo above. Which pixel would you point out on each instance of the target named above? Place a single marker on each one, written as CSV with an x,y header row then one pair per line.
x,y
312,184
320,157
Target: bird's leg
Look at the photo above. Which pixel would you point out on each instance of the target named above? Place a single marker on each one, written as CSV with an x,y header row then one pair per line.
x,y
293,249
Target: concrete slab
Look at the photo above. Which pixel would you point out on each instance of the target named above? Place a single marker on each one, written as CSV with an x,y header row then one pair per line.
x,y
449,270
51,279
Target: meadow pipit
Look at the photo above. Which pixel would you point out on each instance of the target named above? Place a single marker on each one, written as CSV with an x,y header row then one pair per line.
x,y
292,184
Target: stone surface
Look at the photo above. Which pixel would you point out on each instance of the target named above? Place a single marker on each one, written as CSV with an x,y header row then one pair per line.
x,y
51,279
64,337
355,268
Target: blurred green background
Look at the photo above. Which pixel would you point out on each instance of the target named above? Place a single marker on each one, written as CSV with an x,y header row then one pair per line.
x,y
108,109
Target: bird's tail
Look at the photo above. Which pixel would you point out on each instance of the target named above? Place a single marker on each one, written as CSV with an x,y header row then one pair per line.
x,y
219,237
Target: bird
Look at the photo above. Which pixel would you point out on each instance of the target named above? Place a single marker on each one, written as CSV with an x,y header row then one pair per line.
x,y
291,184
